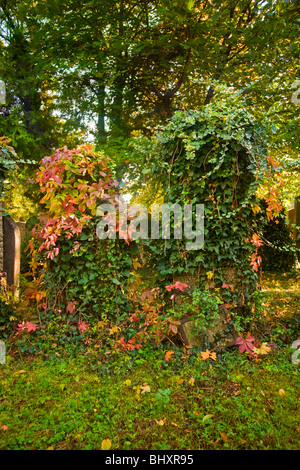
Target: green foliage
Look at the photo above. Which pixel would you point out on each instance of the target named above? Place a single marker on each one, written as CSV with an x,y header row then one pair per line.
x,y
8,161
278,252
82,275
216,156
7,303
80,389
201,305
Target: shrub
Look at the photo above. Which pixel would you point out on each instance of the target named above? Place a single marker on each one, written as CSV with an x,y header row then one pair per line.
x,y
82,275
214,156
278,252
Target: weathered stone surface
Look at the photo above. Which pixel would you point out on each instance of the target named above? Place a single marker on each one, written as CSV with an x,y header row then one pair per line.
x,y
2,352
22,227
221,333
11,249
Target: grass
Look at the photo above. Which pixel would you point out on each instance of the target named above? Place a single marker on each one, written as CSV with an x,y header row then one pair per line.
x,y
138,400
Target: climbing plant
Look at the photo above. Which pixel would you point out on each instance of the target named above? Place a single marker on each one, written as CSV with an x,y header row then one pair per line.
x,y
8,160
278,251
81,275
216,156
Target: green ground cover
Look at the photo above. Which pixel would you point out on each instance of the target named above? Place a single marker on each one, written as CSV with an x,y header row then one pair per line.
x,y
141,400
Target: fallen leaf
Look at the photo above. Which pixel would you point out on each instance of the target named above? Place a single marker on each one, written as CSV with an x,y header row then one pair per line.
x,y
223,435
168,355
161,422
206,418
263,349
281,392
106,444
21,372
205,355
192,381
213,356
4,427
127,382
145,389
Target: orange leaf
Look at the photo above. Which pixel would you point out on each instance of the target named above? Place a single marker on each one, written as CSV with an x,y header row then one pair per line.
x,y
224,437
168,355
205,355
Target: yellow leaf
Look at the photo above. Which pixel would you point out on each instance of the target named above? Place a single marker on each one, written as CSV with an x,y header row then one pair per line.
x,y
206,417
145,389
192,381
263,349
161,422
256,208
21,372
106,444
281,392
114,329
136,264
127,382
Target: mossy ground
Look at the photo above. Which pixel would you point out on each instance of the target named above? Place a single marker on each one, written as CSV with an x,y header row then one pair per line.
x,y
139,400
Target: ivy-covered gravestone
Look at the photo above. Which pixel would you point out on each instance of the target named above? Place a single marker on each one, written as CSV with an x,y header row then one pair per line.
x,y
215,156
